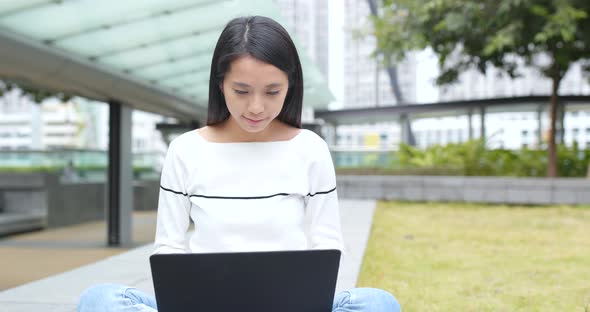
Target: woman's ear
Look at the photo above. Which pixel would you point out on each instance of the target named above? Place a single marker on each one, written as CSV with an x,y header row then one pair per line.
x,y
221,87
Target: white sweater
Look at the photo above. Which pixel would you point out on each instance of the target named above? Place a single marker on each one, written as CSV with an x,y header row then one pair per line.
x,y
248,196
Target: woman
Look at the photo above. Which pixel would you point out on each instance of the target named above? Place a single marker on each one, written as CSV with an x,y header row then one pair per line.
x,y
249,178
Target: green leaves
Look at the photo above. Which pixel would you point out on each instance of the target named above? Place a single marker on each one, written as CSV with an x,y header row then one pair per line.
x,y
540,10
37,95
453,22
503,40
487,32
560,25
477,34
472,158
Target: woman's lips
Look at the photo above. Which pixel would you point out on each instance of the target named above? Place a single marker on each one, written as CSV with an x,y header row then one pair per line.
x,y
253,121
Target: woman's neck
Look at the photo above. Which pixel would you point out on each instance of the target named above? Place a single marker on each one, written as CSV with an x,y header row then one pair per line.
x,y
230,131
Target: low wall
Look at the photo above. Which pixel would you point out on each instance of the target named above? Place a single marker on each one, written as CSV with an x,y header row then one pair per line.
x,y
65,203
50,203
497,190
23,193
145,195
73,203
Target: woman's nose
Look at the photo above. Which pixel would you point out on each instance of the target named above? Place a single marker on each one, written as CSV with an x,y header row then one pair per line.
x,y
256,106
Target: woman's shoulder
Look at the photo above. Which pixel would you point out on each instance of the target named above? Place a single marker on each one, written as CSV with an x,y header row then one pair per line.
x,y
310,138
186,140
188,136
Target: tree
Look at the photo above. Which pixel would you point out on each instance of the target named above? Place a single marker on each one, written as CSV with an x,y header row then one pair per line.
x,y
548,35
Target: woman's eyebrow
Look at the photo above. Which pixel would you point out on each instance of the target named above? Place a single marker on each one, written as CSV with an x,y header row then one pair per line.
x,y
245,85
241,84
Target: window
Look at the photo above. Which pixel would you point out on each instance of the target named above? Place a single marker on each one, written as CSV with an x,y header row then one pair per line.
x,y
57,135
575,132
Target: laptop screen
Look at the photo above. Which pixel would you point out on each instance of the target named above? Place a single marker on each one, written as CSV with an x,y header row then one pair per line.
x,y
286,281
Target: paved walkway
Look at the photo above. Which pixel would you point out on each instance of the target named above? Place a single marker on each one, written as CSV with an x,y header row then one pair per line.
x,y
32,256
60,292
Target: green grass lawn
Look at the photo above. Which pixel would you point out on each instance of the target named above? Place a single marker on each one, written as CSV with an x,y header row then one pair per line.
x,y
464,257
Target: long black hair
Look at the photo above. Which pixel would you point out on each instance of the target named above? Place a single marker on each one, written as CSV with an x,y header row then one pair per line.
x,y
266,40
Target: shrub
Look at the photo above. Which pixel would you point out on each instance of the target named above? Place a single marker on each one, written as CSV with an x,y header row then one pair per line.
x,y
472,158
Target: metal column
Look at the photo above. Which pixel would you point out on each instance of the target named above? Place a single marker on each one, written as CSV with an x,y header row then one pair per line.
x,y
331,134
482,125
560,123
470,124
120,176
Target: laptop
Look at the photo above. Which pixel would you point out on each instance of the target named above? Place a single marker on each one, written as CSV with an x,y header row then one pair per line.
x,y
286,281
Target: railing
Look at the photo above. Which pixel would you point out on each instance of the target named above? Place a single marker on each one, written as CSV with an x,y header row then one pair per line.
x,y
51,159
77,164
347,157
90,165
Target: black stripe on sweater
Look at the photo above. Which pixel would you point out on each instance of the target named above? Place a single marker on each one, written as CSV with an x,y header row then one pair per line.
x,y
239,197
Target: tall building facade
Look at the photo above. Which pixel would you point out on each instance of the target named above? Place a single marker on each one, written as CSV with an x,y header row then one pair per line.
x,y
309,21
474,85
367,83
20,123
77,124
511,130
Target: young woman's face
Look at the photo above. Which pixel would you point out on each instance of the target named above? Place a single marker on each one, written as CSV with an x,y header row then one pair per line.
x,y
254,92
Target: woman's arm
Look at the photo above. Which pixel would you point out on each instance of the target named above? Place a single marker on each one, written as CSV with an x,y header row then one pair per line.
x,y
173,205
322,202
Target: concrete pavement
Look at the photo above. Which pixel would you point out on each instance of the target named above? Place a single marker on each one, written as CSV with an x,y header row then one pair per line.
x,y
60,292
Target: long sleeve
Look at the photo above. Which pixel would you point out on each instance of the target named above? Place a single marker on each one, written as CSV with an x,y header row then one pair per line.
x,y
322,202
173,205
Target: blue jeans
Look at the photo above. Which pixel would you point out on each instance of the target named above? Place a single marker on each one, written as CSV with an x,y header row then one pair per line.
x,y
112,297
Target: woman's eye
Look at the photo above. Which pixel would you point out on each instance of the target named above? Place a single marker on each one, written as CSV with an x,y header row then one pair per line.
x,y
272,92
240,91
